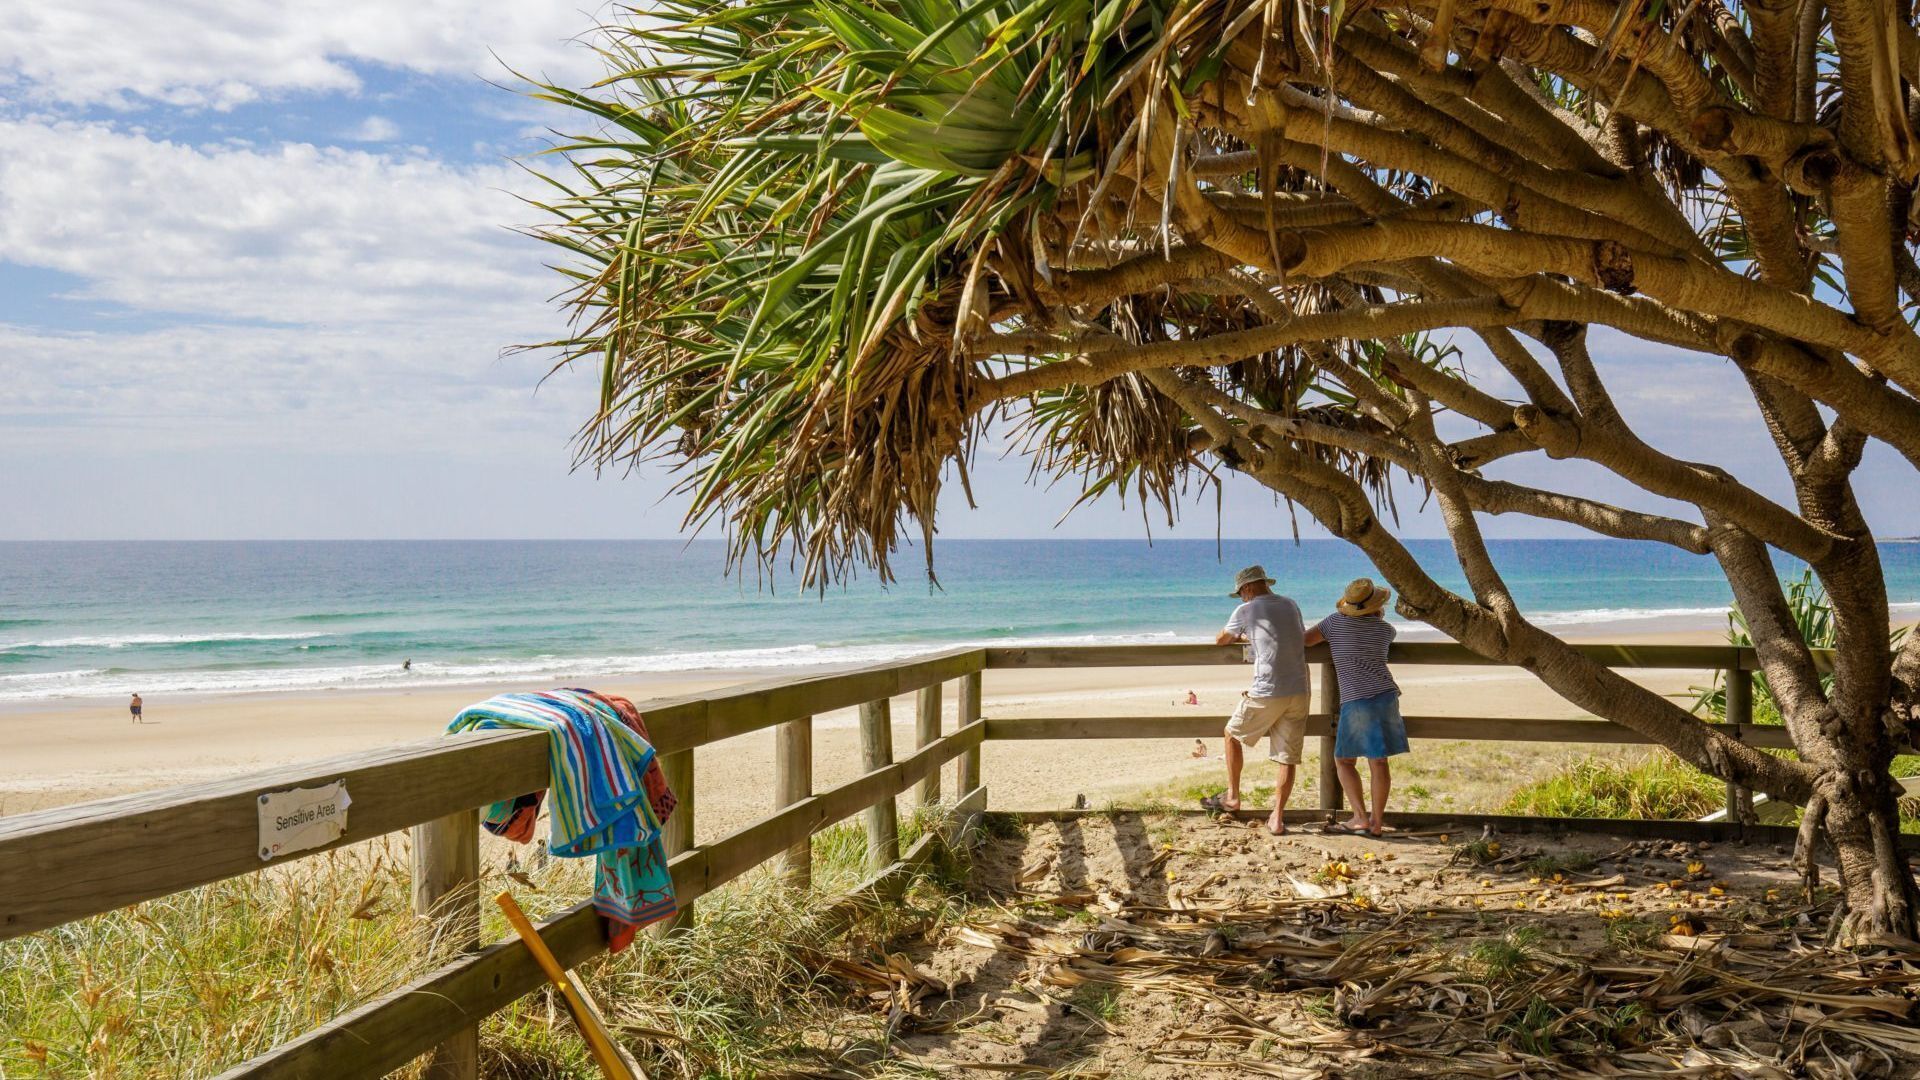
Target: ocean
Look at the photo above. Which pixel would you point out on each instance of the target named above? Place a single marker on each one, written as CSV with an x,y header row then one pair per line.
x,y
86,620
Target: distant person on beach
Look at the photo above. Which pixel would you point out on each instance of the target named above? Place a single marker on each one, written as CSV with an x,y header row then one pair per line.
x,y
1193,698
407,664
134,708
1276,704
1358,635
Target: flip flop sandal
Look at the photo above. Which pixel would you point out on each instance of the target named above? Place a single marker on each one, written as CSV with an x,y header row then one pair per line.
x,y
1215,803
1341,828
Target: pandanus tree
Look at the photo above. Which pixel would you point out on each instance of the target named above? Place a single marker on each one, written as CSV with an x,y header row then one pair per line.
x,y
816,247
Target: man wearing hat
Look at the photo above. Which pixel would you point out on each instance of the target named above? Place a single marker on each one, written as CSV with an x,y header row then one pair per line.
x,y
1276,705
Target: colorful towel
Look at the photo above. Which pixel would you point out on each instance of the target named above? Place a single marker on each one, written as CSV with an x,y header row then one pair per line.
x,y
610,798
658,901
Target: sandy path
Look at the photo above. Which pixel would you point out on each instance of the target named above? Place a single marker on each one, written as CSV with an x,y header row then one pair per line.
x,y
1180,948
70,754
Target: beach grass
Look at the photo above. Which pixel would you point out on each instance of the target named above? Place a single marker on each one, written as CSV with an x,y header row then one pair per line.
x,y
190,984
1657,786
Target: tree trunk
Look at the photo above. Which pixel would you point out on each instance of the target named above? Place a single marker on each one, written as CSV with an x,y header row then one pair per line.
x,y
1862,822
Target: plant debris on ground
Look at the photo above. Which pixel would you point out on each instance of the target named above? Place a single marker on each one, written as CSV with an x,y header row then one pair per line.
x,y
1147,945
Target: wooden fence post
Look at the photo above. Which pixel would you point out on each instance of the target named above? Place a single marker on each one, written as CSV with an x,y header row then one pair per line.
x,y
446,890
876,752
967,769
1739,711
969,777
926,727
792,782
1329,773
678,833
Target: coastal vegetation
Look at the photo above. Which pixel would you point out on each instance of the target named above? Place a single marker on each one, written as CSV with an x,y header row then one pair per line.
x,y
192,983
1659,785
1118,942
818,250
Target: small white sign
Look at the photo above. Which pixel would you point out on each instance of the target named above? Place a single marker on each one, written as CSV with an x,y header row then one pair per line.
x,y
302,818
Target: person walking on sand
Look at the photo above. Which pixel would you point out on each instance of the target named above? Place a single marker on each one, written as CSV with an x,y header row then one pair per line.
x,y
134,708
1358,635
1275,705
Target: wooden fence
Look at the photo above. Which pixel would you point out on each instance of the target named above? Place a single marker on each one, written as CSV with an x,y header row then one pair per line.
x,y
65,864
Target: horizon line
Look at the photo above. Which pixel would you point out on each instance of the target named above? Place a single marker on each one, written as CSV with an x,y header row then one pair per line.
x,y
719,540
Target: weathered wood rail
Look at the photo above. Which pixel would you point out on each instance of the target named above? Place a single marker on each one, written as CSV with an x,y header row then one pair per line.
x,y
65,864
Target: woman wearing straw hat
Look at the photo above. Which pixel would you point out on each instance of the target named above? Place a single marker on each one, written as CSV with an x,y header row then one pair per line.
x,y
1358,635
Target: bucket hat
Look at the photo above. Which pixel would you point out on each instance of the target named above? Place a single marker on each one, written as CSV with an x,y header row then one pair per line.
x,y
1254,573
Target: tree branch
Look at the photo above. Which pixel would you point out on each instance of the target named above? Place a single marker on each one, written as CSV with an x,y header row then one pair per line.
x,y
1339,504
1098,362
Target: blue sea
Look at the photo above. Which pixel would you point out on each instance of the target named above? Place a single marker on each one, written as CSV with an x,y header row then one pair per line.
x,y
94,619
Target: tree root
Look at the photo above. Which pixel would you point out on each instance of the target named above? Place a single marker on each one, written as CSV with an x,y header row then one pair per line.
x,y
1804,860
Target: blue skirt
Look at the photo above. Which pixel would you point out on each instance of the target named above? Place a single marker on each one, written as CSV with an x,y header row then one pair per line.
x,y
1371,728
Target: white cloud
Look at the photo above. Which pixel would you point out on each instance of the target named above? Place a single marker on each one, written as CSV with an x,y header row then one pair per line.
x,y
331,299
290,234
374,129
357,389
222,53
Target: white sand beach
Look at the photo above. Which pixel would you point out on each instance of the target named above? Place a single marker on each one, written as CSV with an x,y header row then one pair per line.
x,y
59,755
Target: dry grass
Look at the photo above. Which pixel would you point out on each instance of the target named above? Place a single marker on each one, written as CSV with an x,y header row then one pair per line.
x,y
193,983
183,985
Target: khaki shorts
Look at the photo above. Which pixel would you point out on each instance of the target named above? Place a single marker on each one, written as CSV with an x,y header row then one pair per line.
x,y
1282,719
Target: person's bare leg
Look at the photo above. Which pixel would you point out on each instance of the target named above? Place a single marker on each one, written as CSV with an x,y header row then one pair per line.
x,y
1282,791
1236,757
1382,783
1350,785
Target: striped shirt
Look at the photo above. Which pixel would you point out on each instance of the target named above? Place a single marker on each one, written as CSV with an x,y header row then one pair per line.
x,y
1359,647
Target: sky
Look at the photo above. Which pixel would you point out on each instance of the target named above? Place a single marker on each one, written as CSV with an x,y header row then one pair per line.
x,y
259,278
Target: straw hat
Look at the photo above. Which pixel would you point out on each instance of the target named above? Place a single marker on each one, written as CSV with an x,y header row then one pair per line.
x,y
1363,597
1248,576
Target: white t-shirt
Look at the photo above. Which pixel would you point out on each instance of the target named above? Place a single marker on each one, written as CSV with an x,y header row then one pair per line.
x,y
1271,624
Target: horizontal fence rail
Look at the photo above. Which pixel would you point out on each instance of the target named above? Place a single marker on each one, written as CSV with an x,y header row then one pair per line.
x,y
390,1031
68,863
1418,727
1722,657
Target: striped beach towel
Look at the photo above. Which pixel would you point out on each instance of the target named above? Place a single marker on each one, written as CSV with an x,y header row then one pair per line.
x,y
609,797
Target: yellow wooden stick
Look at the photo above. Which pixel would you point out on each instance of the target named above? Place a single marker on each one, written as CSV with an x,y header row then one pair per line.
x,y
613,1061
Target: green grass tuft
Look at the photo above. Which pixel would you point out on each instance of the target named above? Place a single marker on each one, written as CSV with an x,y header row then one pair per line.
x,y
1502,958
1533,1030
1658,786
1098,1000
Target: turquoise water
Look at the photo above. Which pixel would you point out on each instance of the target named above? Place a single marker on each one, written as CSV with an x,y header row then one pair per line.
x,y
84,620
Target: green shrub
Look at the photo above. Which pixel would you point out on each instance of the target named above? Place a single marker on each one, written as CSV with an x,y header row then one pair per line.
x,y
1657,786
1812,613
